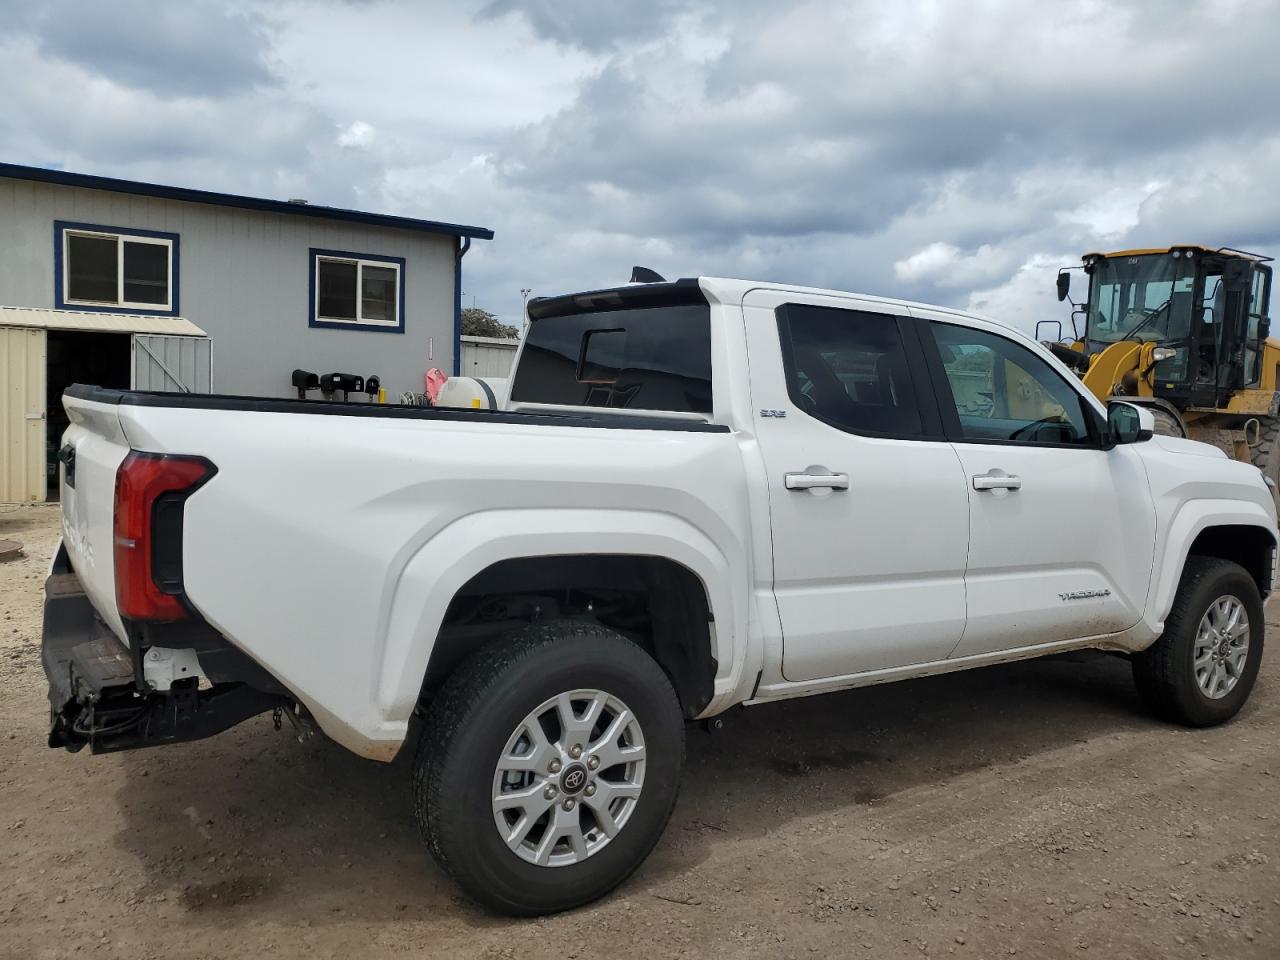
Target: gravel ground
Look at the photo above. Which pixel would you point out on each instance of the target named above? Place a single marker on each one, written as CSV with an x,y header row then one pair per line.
x,y
1029,810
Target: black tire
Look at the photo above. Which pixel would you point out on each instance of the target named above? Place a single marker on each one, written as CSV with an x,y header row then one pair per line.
x,y
467,728
1164,673
1167,425
1266,455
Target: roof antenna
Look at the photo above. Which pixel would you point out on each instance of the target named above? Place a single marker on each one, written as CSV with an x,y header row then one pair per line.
x,y
645,275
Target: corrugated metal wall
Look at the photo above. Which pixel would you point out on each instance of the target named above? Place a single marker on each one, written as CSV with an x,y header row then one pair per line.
x,y
22,414
174,364
487,357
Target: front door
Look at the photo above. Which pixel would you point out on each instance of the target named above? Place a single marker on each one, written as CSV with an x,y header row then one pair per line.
x,y
867,500
1062,531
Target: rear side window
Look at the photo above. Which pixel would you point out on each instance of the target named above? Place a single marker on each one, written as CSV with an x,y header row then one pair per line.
x,y
650,358
849,369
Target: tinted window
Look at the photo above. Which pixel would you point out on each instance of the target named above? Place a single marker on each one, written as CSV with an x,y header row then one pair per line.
x,y
337,282
849,369
1003,391
146,272
652,358
92,268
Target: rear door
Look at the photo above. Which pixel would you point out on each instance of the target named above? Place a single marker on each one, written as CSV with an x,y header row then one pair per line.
x,y
1062,531
867,500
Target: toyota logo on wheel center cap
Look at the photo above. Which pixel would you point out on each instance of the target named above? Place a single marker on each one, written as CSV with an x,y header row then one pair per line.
x,y
573,779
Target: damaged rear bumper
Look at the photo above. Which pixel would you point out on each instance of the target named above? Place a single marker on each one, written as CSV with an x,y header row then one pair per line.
x,y
98,692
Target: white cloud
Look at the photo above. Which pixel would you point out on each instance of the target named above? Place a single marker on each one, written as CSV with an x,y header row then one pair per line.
x,y
1028,297
357,134
946,265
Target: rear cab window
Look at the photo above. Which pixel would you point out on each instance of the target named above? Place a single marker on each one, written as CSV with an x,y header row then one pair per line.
x,y
638,348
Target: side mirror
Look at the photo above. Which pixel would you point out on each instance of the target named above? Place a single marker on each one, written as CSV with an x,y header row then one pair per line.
x,y
1064,285
1129,423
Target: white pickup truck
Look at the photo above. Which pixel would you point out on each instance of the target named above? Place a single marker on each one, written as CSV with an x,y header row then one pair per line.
x,y
700,494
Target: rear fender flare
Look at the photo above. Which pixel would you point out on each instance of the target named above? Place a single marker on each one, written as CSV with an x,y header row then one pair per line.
x,y
472,544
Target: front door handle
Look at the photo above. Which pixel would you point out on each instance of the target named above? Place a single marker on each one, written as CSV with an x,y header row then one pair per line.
x,y
810,481
996,481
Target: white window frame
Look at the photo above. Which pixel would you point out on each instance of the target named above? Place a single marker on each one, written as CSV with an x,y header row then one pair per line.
x,y
361,263
121,239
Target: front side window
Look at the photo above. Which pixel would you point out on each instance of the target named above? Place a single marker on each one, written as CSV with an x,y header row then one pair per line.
x,y
1003,392
106,269
637,358
849,369
352,290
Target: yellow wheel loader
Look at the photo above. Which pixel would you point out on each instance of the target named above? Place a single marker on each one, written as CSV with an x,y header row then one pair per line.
x,y
1185,331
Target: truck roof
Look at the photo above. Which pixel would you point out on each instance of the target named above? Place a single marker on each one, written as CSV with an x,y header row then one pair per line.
x,y
718,289
728,290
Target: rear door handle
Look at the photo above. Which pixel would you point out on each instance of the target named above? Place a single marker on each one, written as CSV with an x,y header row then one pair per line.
x,y
996,481
808,481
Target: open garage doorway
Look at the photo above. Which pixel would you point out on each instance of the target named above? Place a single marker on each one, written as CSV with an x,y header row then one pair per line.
x,y
75,356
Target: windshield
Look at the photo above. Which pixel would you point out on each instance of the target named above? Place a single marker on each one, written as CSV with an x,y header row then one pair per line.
x,y
1146,297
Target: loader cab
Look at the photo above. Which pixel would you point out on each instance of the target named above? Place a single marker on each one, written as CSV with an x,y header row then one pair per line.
x,y
1205,308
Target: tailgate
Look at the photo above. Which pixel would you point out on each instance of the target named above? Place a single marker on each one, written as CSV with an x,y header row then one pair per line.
x,y
91,450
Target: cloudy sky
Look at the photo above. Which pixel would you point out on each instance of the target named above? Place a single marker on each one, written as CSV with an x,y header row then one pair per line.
x,y
951,152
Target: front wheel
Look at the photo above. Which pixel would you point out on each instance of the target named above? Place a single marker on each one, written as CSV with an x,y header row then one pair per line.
x,y
548,768
1202,669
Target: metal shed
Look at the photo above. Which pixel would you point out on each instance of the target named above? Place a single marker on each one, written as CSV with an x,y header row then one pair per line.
x,y
486,356
151,353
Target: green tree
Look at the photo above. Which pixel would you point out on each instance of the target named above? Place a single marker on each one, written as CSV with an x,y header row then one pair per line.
x,y
482,323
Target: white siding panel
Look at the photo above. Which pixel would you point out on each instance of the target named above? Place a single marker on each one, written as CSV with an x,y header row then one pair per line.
x,y
243,279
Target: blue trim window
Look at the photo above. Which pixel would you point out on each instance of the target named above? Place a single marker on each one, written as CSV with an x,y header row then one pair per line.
x,y
115,270
356,291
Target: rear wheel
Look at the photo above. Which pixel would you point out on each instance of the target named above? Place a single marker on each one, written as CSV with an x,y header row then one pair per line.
x,y
1202,669
548,767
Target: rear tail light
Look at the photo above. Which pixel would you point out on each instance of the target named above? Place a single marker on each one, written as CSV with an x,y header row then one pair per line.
x,y
150,492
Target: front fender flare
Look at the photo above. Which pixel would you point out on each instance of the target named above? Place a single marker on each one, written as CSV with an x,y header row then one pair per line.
x,y
1193,518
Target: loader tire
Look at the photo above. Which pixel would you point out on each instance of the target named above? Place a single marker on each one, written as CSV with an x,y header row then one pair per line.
x,y
1167,425
1266,455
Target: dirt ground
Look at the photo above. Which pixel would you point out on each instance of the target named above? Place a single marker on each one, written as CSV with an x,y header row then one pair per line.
x,y
1029,810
